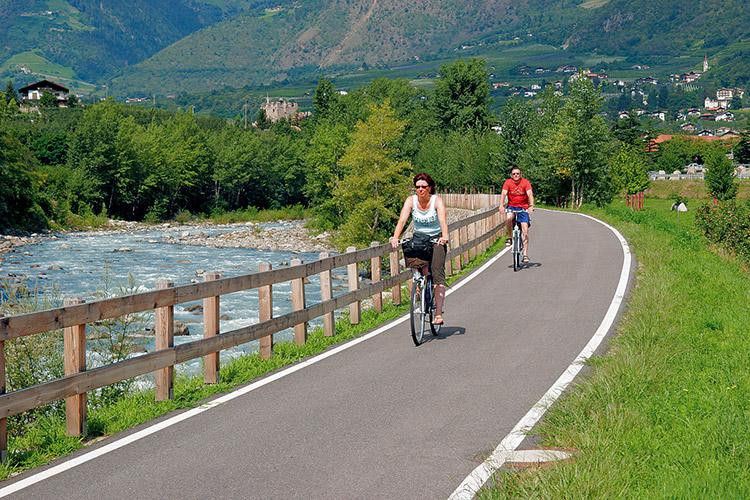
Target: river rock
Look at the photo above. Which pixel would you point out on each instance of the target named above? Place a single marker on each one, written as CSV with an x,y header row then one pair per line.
x,y
122,250
181,328
195,309
134,349
54,267
225,317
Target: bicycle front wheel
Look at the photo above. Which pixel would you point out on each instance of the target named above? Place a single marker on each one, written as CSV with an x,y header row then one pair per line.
x,y
516,251
417,314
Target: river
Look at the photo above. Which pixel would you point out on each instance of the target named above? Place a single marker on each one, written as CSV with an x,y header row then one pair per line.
x,y
90,264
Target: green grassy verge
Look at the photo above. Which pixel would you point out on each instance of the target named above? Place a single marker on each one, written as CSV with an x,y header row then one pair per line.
x,y
691,189
665,413
44,439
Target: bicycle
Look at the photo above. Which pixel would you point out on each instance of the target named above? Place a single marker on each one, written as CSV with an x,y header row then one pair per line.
x,y
422,305
516,241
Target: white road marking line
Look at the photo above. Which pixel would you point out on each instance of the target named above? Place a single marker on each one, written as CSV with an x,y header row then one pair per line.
x,y
86,457
474,481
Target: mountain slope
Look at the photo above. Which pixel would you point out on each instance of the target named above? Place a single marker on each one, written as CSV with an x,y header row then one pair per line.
x,y
321,34
94,38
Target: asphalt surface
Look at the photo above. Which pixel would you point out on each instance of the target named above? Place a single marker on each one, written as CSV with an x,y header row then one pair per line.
x,y
385,419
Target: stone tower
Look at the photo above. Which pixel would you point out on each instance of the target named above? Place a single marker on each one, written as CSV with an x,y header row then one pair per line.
x,y
705,63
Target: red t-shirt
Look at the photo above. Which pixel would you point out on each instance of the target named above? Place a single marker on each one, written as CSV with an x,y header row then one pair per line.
x,y
517,196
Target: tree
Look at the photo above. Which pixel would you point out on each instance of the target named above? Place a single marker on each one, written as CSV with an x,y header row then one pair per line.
x,y
73,101
324,172
372,191
18,192
629,170
10,93
518,119
736,102
720,175
462,96
628,130
48,100
742,149
324,98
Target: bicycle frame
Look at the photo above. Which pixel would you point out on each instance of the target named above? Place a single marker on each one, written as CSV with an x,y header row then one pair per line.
x,y
517,243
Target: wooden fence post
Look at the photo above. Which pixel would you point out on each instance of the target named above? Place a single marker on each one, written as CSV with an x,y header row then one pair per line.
x,y
351,271
326,293
463,236
298,303
3,421
211,328
265,311
74,353
395,269
455,243
164,340
375,276
472,231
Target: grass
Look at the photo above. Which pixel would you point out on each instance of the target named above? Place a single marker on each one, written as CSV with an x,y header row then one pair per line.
x,y
37,64
252,214
45,439
666,412
691,189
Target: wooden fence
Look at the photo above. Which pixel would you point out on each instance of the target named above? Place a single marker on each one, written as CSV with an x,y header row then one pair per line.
x,y
469,236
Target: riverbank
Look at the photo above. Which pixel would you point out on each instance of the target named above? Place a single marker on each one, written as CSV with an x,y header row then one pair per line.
x,y
283,235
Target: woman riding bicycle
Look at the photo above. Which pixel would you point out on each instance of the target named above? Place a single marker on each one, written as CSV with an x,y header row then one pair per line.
x,y
428,212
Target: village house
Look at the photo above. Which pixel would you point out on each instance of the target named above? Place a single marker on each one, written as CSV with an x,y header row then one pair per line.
x,y
725,116
567,69
710,104
687,127
691,76
31,94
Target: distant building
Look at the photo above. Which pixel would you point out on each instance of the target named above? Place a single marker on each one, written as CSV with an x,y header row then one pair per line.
x,y
711,104
31,94
280,110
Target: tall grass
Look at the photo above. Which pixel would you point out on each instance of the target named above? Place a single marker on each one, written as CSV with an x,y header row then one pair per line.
x,y
666,412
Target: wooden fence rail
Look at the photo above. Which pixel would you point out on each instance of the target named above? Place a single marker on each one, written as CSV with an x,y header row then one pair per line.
x,y
468,237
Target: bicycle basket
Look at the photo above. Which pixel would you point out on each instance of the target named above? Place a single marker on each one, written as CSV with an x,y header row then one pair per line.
x,y
419,246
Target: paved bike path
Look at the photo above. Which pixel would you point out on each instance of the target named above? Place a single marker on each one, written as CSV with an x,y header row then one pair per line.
x,y
385,419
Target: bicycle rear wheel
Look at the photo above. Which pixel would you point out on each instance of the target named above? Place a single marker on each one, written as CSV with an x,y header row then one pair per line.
x,y
435,329
417,314
516,250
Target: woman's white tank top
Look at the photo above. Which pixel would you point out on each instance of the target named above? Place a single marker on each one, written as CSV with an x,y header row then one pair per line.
x,y
425,221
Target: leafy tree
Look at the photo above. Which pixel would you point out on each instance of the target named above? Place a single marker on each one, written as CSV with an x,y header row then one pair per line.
x,y
742,148
18,192
629,130
462,96
572,163
262,121
48,100
92,151
629,170
324,98
73,101
323,171
518,120
720,175
372,191
736,102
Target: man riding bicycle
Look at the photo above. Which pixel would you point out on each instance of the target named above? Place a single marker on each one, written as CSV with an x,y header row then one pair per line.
x,y
519,204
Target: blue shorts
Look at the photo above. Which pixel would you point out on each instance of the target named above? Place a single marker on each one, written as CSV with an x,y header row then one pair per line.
x,y
521,214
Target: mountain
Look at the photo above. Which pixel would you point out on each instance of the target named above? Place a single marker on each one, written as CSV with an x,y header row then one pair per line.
x,y
146,46
305,37
319,34
90,39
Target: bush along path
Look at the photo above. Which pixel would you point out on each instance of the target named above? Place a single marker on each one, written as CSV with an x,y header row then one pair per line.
x,y
38,441
666,411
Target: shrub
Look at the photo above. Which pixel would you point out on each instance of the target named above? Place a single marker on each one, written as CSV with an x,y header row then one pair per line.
x,y
727,224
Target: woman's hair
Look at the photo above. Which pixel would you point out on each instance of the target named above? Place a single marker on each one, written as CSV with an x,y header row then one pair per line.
x,y
425,177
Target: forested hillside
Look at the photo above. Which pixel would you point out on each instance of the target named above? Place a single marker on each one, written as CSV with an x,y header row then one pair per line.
x,y
89,40
200,45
